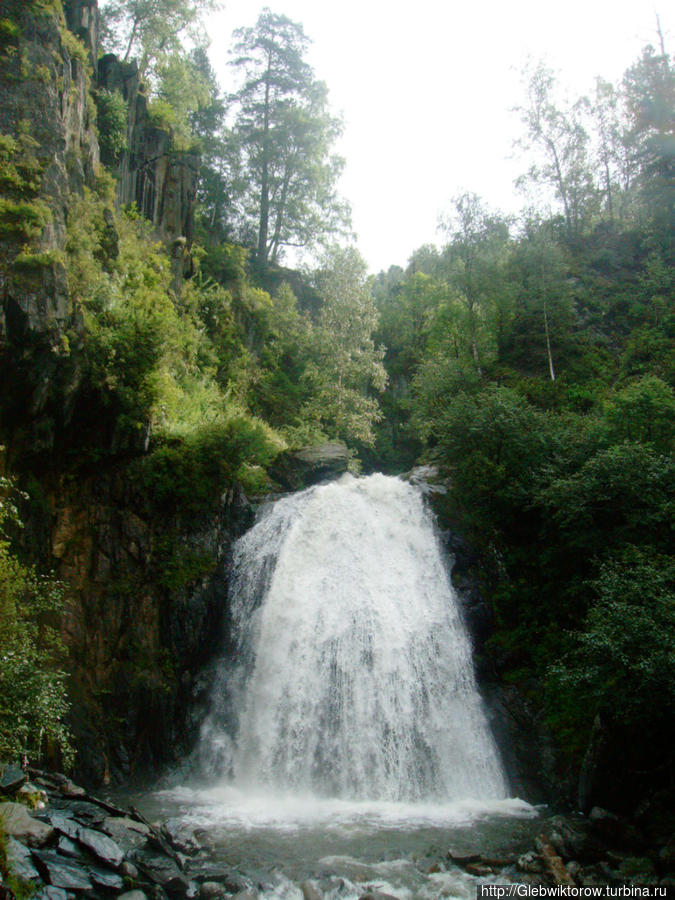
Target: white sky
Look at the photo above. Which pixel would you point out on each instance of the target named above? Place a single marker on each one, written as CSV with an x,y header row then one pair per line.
x,y
426,89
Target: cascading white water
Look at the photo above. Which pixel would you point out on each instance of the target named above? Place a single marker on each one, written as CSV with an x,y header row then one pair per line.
x,y
355,669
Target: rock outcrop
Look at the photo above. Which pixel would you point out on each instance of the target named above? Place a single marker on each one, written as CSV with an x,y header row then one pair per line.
x,y
152,173
146,607
145,592
70,847
49,154
298,469
48,150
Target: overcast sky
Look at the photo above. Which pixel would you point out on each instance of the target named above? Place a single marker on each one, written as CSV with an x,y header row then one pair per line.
x,y
426,89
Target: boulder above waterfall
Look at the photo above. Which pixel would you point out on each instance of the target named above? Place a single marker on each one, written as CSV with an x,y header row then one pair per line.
x,y
298,469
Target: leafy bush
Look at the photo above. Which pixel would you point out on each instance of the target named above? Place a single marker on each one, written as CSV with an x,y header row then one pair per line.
x,y
190,475
162,114
112,112
32,686
644,411
22,218
620,663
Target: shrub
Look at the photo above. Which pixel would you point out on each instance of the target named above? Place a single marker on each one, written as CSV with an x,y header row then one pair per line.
x,y
22,218
32,686
190,475
112,112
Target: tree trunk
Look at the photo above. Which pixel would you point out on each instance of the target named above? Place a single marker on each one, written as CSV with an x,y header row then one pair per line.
x,y
551,370
608,184
132,38
562,187
264,175
589,766
281,208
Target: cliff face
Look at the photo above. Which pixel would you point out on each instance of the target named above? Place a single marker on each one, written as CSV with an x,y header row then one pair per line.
x,y
147,600
159,179
48,151
145,588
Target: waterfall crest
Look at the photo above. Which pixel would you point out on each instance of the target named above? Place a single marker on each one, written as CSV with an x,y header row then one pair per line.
x,y
354,676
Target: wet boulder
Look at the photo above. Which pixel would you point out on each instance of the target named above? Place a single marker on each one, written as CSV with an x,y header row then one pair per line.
x,y
103,847
181,836
127,833
162,870
11,778
298,469
19,859
105,879
212,890
67,847
17,822
50,893
64,825
61,872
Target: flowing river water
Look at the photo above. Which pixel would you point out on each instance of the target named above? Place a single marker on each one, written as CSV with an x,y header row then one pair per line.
x,y
348,746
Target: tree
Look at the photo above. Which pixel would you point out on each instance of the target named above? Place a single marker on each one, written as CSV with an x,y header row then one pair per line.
x,y
284,134
346,366
32,687
618,169
649,91
147,30
542,305
620,670
182,94
559,134
477,242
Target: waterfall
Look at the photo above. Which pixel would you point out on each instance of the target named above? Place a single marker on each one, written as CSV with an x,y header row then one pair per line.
x,y
353,673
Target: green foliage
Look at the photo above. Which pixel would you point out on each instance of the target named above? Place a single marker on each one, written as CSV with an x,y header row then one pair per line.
x,y
32,686
34,262
345,366
130,317
20,170
162,114
20,889
620,664
112,112
190,475
74,47
182,93
283,137
23,219
183,567
644,411
151,30
10,32
47,7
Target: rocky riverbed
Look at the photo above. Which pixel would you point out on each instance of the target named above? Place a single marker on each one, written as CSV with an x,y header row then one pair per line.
x,y
62,843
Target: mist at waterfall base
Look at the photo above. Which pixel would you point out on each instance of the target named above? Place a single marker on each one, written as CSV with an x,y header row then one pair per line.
x,y
347,735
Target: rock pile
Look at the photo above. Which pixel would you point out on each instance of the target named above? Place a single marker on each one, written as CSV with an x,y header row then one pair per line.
x,y
61,843
603,849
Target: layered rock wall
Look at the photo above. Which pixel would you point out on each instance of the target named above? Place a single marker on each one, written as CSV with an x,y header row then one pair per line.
x,y
159,179
49,151
146,608
145,589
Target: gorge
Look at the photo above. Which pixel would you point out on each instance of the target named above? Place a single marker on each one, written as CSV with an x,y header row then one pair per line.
x,y
212,570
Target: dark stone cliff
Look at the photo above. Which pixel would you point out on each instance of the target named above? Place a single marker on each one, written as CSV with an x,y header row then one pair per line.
x,y
50,151
145,585
147,602
159,179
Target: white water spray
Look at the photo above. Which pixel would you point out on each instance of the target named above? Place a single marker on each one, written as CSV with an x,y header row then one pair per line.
x,y
355,669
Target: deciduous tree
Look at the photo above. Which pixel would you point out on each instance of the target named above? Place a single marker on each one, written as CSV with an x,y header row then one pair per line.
x,y
346,366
